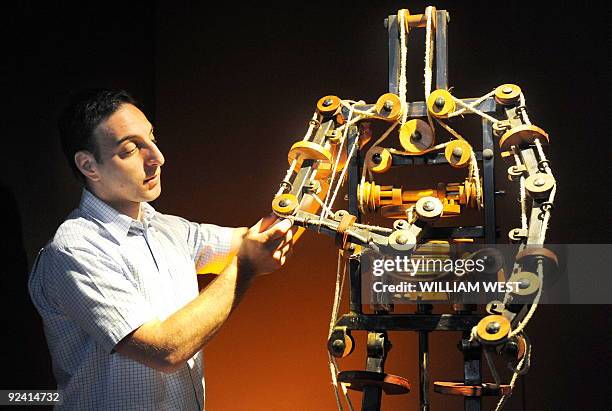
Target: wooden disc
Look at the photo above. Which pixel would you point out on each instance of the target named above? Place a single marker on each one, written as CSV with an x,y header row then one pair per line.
x,y
416,136
285,204
539,184
493,328
458,153
530,280
307,150
388,107
538,252
521,136
507,94
459,388
440,110
378,160
328,104
429,208
390,384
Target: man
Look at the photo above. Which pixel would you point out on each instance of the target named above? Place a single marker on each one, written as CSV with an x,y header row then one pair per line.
x,y
117,287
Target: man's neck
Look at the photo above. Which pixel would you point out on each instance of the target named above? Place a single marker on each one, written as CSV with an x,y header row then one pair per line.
x,y
128,208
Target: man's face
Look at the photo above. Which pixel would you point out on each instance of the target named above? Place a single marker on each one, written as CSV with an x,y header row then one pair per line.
x,y
130,166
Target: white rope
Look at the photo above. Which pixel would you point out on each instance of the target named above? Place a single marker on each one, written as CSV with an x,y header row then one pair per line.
x,y
472,105
376,143
523,205
428,52
333,365
523,103
476,178
546,218
526,359
474,110
429,55
325,210
534,305
401,17
342,174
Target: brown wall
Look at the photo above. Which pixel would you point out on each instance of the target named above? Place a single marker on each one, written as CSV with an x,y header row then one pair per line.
x,y
229,90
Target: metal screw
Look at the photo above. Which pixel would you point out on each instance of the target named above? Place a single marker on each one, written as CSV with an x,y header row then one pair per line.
x,y
338,345
417,136
428,206
539,182
401,239
457,152
493,327
487,154
440,102
507,90
328,102
283,203
377,158
525,283
388,105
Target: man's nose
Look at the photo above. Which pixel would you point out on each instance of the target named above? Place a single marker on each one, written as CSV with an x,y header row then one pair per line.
x,y
155,156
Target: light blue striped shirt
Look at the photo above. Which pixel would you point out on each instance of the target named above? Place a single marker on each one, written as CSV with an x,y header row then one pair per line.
x,y
101,277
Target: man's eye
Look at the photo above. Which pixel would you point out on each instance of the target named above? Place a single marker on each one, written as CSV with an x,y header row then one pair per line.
x,y
129,150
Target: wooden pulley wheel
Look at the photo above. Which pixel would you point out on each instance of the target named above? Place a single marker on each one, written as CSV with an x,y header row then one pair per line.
x,y
539,184
459,388
367,196
529,283
458,153
507,94
328,105
534,252
493,329
388,107
378,160
429,208
402,240
416,136
285,204
522,347
440,103
390,384
521,136
307,150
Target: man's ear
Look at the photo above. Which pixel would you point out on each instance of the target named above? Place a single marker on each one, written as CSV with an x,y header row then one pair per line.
x,y
86,162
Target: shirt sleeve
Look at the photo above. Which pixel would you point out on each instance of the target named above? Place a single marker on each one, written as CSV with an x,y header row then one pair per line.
x,y
91,289
210,247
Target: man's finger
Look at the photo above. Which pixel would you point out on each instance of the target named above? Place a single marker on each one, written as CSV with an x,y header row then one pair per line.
x,y
279,229
265,223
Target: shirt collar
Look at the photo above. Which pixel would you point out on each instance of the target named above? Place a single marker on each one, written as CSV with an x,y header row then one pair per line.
x,y
117,224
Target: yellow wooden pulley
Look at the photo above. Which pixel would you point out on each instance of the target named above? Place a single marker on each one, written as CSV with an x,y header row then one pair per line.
x,y
378,160
493,328
440,103
458,153
507,94
521,136
388,107
307,150
328,104
416,136
285,204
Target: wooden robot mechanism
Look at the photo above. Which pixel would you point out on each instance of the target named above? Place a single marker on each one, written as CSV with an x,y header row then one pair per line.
x,y
341,149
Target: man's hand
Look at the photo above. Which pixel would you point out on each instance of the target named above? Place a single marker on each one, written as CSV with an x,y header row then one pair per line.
x,y
266,246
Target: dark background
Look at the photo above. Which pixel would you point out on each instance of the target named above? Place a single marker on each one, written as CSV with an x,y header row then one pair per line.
x,y
229,90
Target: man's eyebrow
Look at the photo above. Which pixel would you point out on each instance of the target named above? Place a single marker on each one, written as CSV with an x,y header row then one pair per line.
x,y
130,137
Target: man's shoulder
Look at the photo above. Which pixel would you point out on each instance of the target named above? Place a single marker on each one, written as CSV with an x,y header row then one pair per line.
x,y
77,231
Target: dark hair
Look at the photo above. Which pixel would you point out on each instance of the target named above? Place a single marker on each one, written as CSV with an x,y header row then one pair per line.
x,y
80,118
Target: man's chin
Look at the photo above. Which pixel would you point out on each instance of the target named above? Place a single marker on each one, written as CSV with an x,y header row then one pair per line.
x,y
152,194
